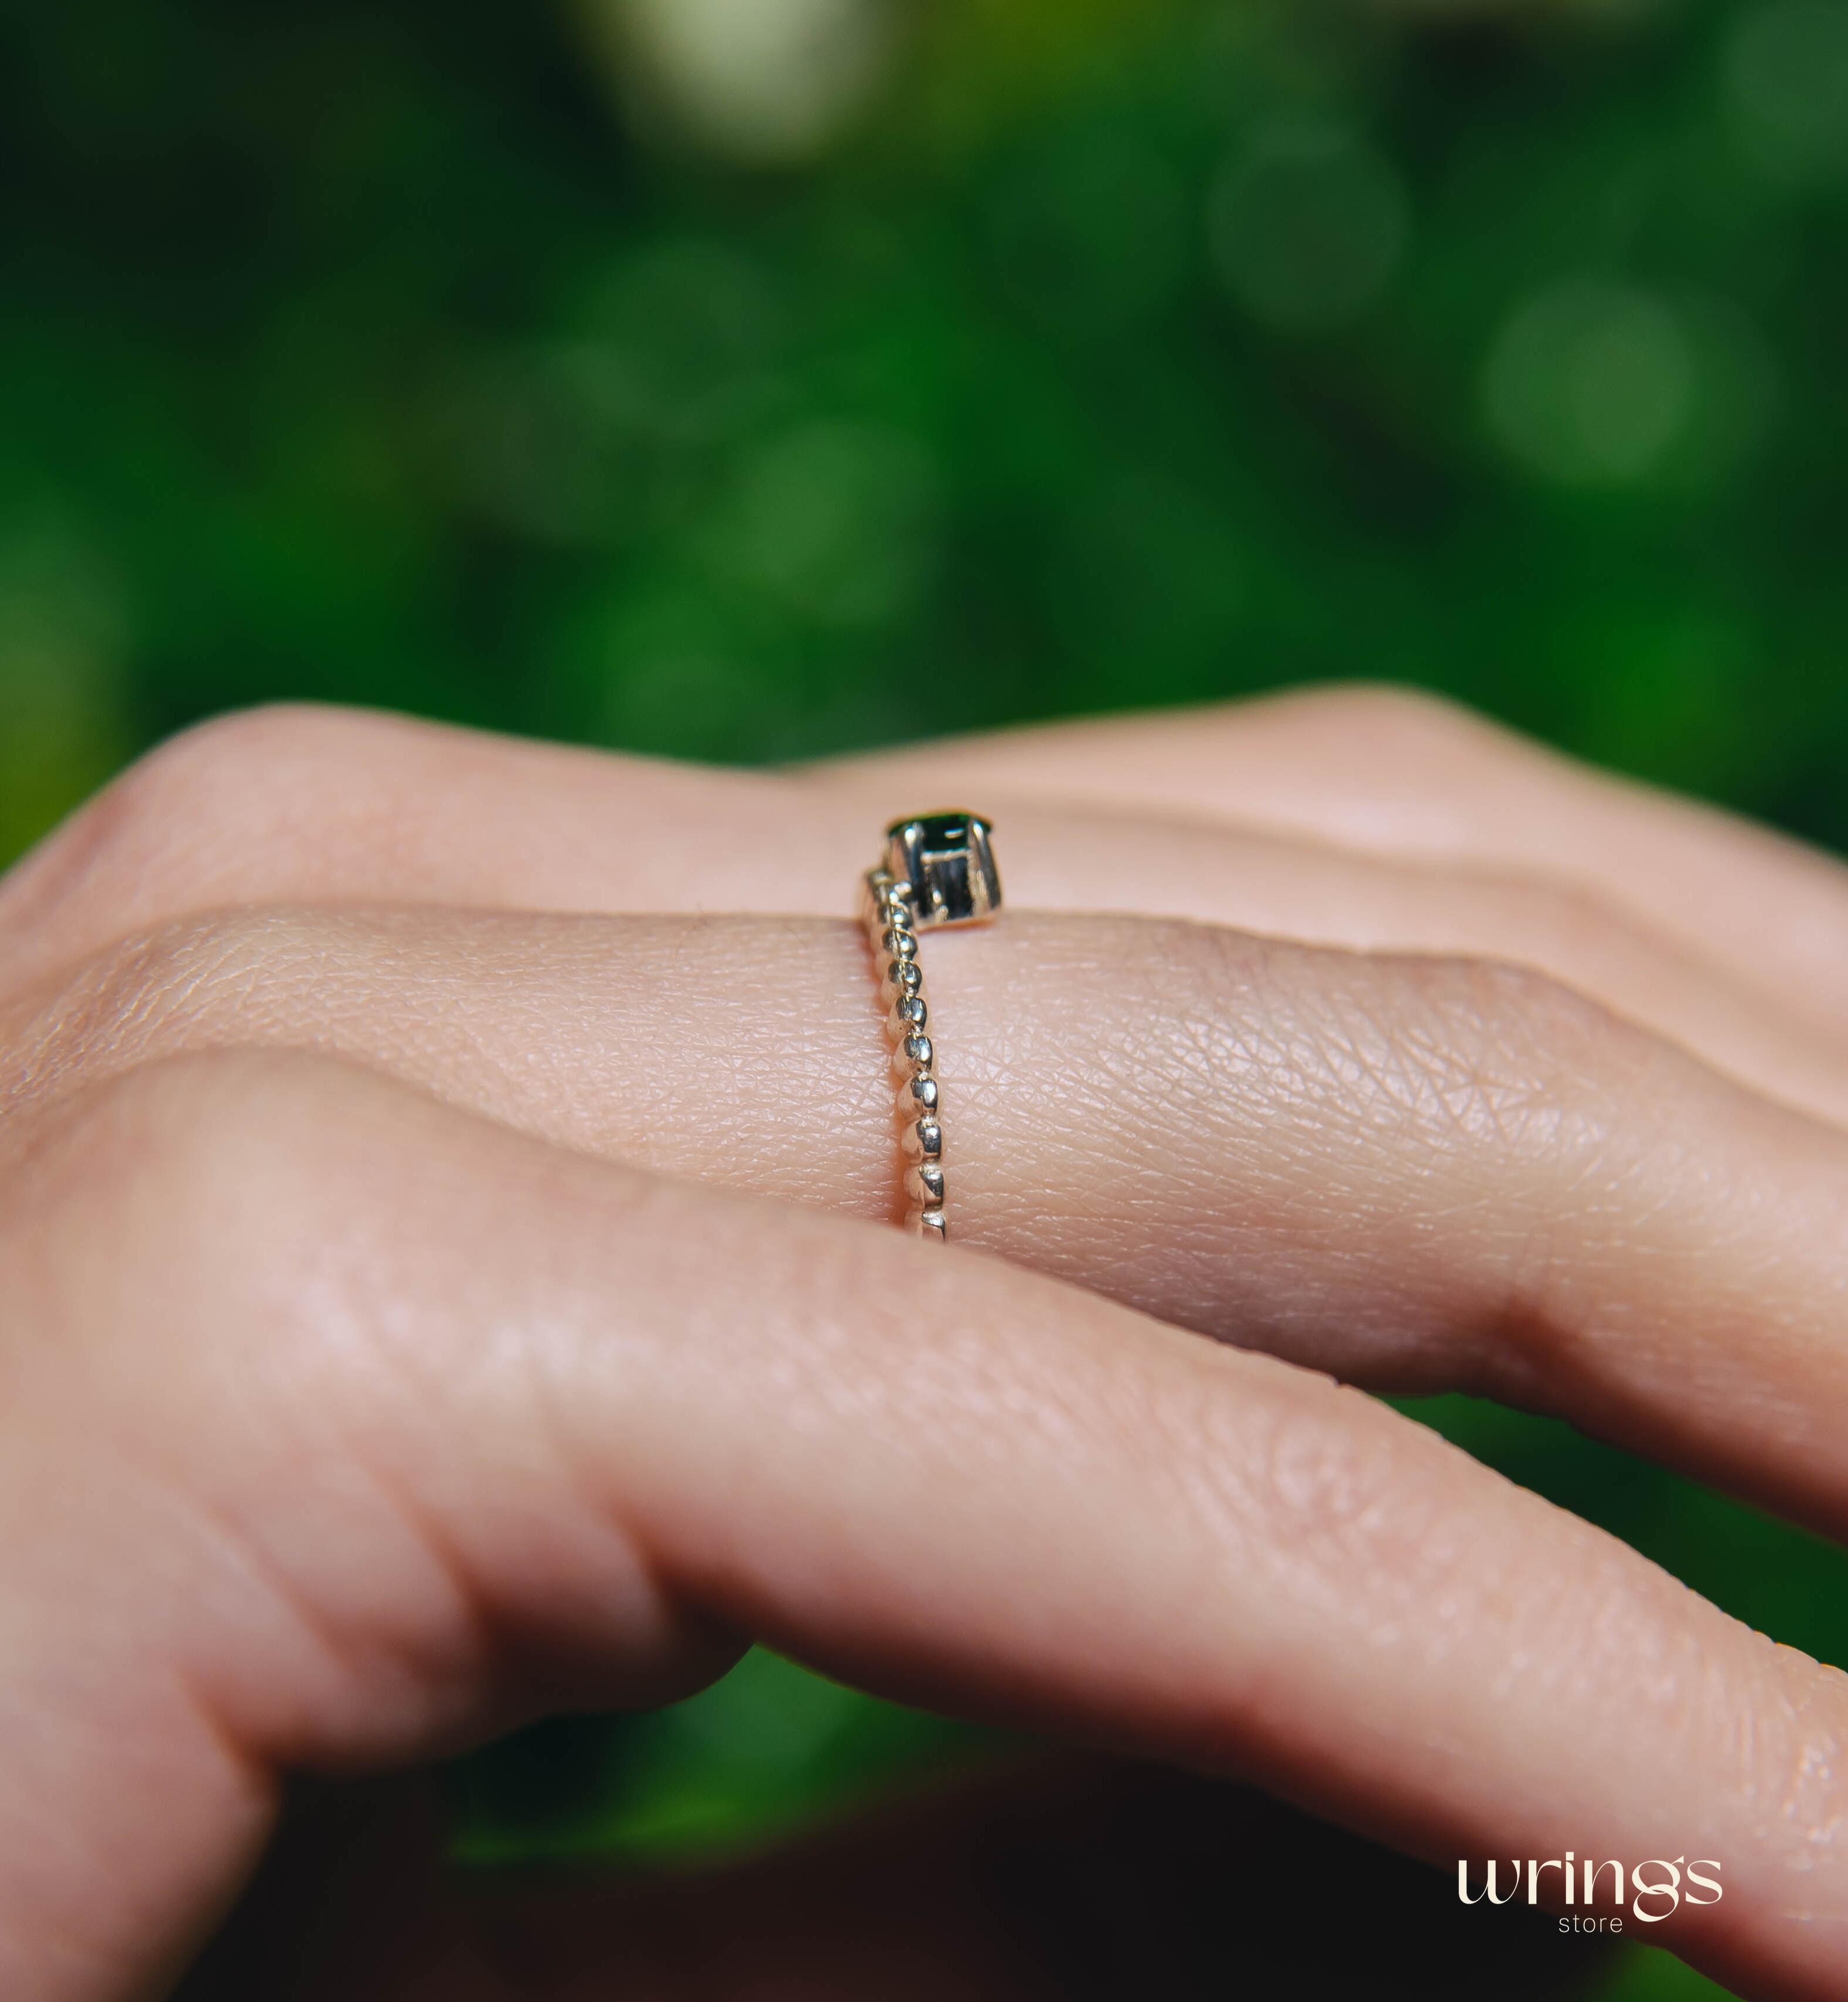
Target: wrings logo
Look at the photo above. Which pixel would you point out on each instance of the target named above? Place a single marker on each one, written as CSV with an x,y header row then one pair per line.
x,y
1655,1890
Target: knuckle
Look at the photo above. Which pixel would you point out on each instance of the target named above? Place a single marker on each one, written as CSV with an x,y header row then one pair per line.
x,y
1486,1053
1795,1732
1381,1103
1337,1490
188,1234
1407,722
1521,1008
1450,1058
171,812
230,741
194,775
194,984
179,1187
140,1185
1526,1089
189,1129
1324,1489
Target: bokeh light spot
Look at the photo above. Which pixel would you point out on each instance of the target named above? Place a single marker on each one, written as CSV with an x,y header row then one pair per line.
x,y
1785,72
1591,382
1306,222
768,81
837,520
586,438
687,322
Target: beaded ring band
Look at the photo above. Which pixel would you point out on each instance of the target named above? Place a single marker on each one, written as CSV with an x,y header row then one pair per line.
x,y
939,871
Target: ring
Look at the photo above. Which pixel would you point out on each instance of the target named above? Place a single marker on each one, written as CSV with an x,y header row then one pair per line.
x,y
938,870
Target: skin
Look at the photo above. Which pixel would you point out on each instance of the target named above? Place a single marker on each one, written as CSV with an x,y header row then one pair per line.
x,y
441,1193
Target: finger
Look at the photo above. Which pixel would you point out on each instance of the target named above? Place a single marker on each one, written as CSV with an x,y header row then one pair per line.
x,y
326,808
1390,772
379,1415
1419,1174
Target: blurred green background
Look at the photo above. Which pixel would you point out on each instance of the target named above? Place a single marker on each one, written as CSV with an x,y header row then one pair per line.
x,y
698,376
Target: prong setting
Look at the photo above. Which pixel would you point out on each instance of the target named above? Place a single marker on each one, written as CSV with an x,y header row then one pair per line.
x,y
945,862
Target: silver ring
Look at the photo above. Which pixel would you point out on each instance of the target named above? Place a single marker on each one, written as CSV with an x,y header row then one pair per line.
x,y
938,870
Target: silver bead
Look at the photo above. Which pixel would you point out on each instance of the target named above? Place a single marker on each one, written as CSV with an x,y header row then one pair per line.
x,y
903,976
924,1091
899,944
913,1054
908,1016
931,1225
924,1185
877,888
922,1140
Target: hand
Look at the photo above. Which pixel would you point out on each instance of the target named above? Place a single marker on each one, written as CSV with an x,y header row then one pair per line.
x,y
422,1310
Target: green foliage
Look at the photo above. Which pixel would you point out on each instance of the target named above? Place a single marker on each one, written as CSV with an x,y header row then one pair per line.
x,y
1107,356
768,1748
494,362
